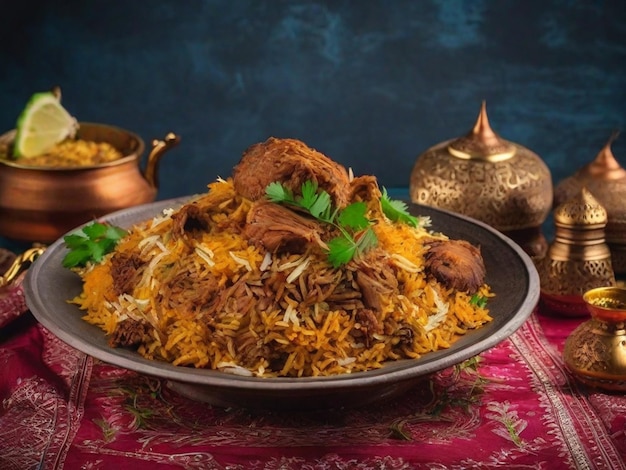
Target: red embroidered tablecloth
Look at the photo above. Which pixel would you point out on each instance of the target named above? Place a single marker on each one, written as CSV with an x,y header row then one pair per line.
x,y
515,406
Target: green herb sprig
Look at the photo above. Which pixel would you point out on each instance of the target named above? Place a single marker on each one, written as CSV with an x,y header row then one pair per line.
x,y
356,236
397,211
479,300
91,243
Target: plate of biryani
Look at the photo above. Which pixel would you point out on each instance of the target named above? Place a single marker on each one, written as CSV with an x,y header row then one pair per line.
x,y
291,284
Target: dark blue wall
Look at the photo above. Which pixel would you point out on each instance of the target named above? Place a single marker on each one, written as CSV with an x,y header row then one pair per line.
x,y
370,83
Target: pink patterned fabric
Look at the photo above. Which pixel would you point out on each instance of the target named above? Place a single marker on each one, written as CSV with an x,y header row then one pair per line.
x,y
514,407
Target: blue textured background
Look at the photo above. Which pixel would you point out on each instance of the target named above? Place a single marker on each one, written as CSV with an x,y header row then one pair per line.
x,y
370,83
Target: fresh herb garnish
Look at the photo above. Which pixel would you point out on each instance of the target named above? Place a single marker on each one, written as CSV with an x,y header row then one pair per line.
x,y
397,211
91,243
316,203
479,300
356,236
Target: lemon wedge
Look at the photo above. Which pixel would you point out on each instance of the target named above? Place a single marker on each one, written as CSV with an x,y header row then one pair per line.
x,y
43,123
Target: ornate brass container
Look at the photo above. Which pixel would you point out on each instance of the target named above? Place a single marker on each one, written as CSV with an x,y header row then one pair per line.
x,y
606,180
595,352
41,204
491,179
578,259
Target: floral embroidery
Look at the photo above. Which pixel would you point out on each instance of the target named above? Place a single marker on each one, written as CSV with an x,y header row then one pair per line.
x,y
512,424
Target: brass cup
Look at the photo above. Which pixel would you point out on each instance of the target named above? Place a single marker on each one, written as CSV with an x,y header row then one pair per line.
x,y
595,352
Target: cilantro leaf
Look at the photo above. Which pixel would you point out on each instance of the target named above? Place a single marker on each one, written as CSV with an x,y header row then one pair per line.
x,y
353,216
341,250
309,194
114,234
321,208
95,230
76,257
479,300
316,202
75,240
396,210
276,192
91,244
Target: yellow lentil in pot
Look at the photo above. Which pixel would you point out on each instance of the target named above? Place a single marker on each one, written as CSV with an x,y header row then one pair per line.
x,y
74,153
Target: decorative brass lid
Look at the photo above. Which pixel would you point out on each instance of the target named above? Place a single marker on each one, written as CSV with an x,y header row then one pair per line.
x,y
580,211
603,176
604,166
486,177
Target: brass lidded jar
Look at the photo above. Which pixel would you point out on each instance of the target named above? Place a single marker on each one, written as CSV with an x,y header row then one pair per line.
x,y
606,180
578,259
488,178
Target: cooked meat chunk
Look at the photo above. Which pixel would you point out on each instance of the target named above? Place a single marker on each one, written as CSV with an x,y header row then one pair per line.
x,y
190,292
367,326
190,219
129,333
457,264
123,270
290,162
405,335
375,277
277,228
364,188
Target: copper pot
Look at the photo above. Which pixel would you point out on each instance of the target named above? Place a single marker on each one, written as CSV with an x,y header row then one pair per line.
x,y
41,204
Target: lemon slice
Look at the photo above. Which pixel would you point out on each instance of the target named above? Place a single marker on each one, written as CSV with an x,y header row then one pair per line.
x,y
43,123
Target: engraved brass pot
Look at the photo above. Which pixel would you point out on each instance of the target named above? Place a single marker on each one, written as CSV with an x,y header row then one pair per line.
x,y
488,178
595,352
40,204
606,180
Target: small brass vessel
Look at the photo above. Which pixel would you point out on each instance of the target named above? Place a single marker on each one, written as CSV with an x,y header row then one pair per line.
x,y
605,178
578,259
40,204
490,179
595,352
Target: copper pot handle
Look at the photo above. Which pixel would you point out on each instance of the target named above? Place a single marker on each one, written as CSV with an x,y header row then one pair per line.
x,y
159,147
21,262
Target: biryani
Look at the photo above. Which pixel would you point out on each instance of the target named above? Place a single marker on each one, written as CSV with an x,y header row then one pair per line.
x,y
265,275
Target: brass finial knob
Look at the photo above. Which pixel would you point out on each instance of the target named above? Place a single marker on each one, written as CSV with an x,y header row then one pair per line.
x,y
482,142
